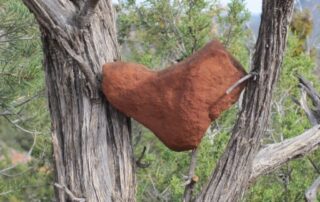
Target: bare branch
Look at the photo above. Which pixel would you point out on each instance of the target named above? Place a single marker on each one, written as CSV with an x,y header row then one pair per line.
x,y
139,163
314,165
311,193
308,90
69,193
86,12
192,179
6,192
274,155
21,128
28,99
240,81
6,113
304,105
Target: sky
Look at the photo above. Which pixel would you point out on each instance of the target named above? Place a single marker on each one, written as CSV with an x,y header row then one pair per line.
x,y
254,6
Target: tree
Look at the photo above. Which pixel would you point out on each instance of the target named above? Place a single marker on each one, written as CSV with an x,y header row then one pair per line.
x,y
91,140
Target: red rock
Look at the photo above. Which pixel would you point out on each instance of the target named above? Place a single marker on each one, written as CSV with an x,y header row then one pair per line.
x,y
178,103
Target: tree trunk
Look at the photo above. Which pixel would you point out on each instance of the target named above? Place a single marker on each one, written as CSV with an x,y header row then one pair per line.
x,y
232,174
91,140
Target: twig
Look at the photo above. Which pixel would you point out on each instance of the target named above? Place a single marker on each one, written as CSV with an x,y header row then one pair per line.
x,y
38,94
6,113
139,163
21,128
192,179
5,193
69,193
314,165
2,172
243,79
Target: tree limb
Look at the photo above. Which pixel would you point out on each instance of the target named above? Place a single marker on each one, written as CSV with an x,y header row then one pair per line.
x,y
274,155
191,178
311,193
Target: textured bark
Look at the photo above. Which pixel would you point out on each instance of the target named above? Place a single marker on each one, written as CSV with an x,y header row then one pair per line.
x,y
231,176
91,140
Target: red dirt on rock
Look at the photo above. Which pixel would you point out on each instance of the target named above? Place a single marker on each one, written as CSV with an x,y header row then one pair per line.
x,y
178,103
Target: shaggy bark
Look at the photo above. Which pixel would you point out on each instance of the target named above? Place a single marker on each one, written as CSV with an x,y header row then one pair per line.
x,y
231,176
91,140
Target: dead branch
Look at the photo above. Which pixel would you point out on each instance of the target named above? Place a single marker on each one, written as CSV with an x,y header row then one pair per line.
x,y
139,163
307,90
274,155
311,193
240,81
192,179
314,165
20,127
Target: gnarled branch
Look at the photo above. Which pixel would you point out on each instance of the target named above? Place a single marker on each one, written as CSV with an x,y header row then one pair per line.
x,y
274,155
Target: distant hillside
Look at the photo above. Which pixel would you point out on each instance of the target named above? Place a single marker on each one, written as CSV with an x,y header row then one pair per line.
x,y
314,7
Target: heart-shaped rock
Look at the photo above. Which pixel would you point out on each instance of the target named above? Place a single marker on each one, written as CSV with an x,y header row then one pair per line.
x,y
177,103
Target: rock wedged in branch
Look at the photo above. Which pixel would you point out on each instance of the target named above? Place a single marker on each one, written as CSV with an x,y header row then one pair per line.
x,y
178,103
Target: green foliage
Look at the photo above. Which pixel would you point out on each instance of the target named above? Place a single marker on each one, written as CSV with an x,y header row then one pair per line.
x,y
302,27
165,30
24,117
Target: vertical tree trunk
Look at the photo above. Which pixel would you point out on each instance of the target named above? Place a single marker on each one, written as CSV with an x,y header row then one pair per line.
x,y
91,140
231,176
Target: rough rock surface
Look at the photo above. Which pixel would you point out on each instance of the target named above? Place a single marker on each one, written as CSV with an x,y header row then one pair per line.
x,y
178,103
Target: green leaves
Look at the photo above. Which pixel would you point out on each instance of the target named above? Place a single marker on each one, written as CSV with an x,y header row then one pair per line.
x,y
22,98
